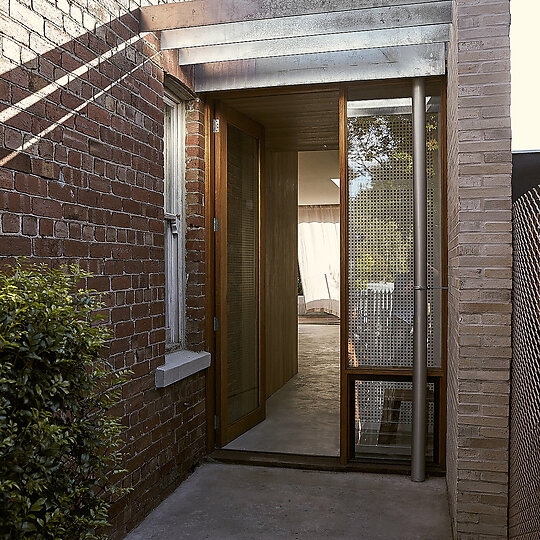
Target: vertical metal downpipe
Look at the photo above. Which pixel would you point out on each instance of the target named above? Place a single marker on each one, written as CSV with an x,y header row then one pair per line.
x,y
418,465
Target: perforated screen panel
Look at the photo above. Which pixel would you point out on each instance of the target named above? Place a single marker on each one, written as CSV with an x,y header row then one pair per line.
x,y
524,507
381,272
242,273
381,243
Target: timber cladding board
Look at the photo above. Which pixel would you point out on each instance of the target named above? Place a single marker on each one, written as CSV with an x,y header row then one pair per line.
x,y
281,255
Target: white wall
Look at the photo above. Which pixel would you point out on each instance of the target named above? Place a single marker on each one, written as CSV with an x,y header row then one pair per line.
x,y
524,42
315,170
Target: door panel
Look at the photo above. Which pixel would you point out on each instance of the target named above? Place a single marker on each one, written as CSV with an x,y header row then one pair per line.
x,y
239,145
242,278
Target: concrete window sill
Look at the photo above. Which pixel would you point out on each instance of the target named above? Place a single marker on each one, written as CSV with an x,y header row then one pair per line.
x,y
179,365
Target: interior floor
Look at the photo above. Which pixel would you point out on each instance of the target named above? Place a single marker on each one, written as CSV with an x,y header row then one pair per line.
x,y
302,417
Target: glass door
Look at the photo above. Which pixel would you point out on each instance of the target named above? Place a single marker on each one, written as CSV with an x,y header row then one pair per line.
x,y
379,268
239,296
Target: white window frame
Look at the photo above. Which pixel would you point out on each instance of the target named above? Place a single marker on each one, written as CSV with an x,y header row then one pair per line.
x,y
174,217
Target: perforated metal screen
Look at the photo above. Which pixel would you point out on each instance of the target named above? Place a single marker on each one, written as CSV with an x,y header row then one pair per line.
x,y
524,507
381,271
380,220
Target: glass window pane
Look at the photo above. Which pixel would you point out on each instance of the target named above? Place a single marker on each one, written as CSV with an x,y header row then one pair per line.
x,y
379,133
173,149
434,236
169,138
381,241
383,419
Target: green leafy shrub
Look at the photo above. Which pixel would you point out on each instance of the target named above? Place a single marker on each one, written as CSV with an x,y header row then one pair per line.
x,y
58,446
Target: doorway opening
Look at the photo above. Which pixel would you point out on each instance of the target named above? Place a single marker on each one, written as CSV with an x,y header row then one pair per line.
x,y
302,401
310,185
301,361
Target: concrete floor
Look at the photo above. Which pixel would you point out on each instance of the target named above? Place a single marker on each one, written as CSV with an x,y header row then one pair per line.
x,y
239,502
302,417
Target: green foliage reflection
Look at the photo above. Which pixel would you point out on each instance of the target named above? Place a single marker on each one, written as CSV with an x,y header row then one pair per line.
x,y
380,164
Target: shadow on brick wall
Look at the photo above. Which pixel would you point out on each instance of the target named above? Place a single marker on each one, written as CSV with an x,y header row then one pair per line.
x,y
81,181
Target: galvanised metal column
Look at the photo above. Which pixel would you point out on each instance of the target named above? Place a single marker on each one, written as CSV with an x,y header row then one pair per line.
x,y
418,466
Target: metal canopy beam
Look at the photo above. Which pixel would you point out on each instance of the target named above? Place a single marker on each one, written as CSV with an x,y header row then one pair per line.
x,y
368,64
435,33
208,12
310,25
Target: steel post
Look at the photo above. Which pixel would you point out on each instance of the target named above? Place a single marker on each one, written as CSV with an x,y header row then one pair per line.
x,y
418,465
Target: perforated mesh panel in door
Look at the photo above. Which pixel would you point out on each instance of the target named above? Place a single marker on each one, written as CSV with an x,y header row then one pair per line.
x,y
242,273
383,418
381,243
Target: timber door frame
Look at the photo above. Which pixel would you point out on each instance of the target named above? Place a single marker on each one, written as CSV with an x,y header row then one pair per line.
x,y
438,376
225,115
346,458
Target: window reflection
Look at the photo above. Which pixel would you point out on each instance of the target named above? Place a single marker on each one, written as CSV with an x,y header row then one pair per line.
x,y
381,242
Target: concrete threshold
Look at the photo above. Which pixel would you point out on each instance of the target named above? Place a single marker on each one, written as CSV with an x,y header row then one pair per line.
x,y
221,501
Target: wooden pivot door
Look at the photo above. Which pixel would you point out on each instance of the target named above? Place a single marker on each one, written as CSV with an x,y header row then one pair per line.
x,y
239,147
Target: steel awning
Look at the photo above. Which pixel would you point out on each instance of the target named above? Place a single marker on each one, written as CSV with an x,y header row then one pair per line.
x,y
236,44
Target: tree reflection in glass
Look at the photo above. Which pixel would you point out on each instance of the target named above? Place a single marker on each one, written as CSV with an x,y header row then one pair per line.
x,y
380,175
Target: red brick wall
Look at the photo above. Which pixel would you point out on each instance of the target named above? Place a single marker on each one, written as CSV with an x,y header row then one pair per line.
x,y
480,267
90,191
195,263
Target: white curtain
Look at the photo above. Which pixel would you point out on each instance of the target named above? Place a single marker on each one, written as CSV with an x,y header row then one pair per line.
x,y
318,256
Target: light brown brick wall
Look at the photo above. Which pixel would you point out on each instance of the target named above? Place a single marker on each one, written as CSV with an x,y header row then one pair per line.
x,y
480,265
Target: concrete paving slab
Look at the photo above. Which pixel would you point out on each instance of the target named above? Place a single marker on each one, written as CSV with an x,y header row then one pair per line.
x,y
302,417
240,502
